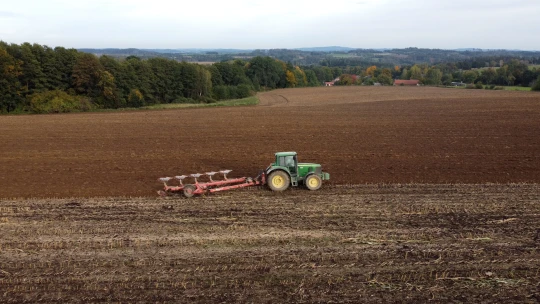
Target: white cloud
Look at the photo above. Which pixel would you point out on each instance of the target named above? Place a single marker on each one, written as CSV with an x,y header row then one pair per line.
x,y
273,24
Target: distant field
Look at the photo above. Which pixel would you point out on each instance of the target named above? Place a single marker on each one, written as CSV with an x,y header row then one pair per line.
x,y
485,68
531,66
345,55
253,100
506,88
516,88
249,101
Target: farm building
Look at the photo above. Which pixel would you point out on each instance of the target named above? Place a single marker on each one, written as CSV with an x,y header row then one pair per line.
x,y
412,82
331,83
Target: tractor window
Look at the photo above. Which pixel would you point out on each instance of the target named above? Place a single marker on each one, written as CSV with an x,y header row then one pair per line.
x,y
290,162
287,161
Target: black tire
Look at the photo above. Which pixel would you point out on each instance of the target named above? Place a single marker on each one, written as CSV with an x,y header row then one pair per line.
x,y
313,182
278,181
189,190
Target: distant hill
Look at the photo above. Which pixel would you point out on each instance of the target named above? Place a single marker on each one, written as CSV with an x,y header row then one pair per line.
x,y
327,49
162,51
331,55
200,51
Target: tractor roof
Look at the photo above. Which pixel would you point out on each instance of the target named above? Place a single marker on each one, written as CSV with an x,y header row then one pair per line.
x,y
285,153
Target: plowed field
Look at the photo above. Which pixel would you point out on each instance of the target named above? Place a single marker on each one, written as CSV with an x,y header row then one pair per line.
x,y
450,213
361,244
359,134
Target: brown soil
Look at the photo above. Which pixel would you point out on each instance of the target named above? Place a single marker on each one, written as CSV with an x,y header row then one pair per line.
x,y
359,134
346,244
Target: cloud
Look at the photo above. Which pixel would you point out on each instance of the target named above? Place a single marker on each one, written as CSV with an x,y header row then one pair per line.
x,y
272,24
7,14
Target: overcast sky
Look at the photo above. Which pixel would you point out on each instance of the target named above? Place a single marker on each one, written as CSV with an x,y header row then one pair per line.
x,y
251,24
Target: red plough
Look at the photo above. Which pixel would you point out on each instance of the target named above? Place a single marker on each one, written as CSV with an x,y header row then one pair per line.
x,y
211,186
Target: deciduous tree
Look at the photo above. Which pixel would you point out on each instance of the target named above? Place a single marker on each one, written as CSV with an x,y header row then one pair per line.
x,y
433,77
416,72
536,85
469,76
86,75
291,79
370,71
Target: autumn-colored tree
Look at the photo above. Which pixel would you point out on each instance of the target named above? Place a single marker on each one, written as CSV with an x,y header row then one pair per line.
x,y
300,75
109,95
346,79
387,72
135,98
291,79
370,71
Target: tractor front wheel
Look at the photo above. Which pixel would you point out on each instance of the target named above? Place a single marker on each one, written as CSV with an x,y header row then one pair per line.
x,y
278,181
313,182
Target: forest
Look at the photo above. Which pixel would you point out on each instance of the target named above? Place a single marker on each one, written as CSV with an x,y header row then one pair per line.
x,y
38,79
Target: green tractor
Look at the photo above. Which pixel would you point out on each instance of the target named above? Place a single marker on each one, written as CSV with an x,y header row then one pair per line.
x,y
286,171
279,176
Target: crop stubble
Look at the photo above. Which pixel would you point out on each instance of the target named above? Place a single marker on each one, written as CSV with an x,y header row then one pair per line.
x,y
386,243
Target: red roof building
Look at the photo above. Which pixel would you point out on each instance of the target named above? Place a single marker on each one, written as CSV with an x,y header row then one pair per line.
x,y
412,82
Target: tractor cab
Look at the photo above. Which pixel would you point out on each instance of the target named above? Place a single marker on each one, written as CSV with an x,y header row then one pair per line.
x,y
287,160
287,171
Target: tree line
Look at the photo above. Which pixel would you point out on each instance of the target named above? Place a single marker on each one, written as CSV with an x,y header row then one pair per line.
x,y
40,79
512,73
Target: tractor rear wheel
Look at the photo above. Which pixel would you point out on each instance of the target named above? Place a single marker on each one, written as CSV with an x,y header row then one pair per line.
x,y
278,181
313,182
189,190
